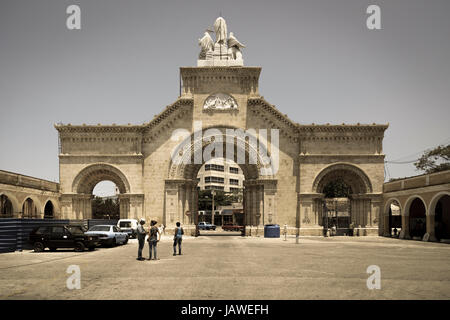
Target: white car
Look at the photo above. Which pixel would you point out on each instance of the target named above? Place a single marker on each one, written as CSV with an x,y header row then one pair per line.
x,y
108,235
129,226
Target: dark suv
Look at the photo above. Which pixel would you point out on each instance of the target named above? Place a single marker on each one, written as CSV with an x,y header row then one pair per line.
x,y
62,236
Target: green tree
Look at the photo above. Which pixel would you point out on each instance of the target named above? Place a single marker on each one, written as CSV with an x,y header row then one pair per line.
x,y
221,198
105,208
337,189
434,160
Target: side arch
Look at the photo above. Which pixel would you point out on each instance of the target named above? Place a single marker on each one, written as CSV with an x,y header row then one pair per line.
x,y
87,178
36,202
55,205
352,175
432,206
409,202
389,202
16,207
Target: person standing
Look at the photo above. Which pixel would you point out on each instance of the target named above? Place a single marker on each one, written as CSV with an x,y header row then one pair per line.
x,y
177,238
141,233
153,239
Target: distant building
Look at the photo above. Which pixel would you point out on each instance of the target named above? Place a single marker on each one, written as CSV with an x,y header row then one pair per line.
x,y
221,174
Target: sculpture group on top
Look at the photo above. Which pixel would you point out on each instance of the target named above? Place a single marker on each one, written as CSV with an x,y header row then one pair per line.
x,y
225,51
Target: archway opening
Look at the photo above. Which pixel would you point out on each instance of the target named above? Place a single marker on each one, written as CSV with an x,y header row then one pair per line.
x,y
442,218
29,209
346,203
337,203
105,202
395,218
6,207
417,219
49,210
221,183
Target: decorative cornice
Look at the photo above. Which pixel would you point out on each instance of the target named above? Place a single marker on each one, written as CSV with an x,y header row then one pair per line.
x,y
342,128
83,155
330,155
170,109
220,71
84,128
69,128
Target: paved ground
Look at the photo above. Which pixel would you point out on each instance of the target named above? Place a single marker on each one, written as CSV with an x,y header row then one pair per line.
x,y
232,267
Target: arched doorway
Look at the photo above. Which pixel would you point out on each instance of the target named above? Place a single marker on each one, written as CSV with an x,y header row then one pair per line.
x,y
255,163
29,209
106,202
393,216
337,206
221,182
102,175
442,217
345,200
49,210
6,207
417,219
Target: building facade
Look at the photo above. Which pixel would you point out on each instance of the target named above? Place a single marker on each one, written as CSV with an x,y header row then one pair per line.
x,y
220,96
424,205
221,174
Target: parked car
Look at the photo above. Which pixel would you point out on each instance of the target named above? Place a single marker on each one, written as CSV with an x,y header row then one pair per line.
x,y
232,227
108,235
206,226
62,236
129,226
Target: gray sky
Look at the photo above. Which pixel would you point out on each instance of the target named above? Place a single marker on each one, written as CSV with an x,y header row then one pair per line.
x,y
320,64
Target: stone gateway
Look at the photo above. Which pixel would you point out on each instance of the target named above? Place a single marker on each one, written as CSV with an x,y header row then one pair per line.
x,y
221,93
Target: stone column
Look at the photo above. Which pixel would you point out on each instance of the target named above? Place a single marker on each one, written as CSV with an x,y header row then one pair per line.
x,y
195,199
431,234
375,215
270,205
181,203
404,234
124,200
248,207
188,203
254,205
261,206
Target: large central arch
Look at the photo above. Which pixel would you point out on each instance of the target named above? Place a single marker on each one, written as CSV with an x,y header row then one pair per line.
x,y
181,196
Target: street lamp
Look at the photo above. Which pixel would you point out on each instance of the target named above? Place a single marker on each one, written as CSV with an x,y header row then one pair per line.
x,y
213,193
326,218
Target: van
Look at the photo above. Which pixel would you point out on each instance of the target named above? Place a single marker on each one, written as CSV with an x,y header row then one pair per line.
x,y
129,226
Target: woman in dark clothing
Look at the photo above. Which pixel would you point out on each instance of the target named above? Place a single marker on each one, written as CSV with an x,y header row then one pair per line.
x,y
153,239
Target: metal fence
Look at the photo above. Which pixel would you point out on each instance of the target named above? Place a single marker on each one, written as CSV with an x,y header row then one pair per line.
x,y
14,233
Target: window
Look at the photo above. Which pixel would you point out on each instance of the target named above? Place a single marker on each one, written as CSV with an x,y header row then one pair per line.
x,y
125,224
75,230
214,179
214,167
115,229
214,188
99,228
234,189
58,230
234,182
42,230
234,170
